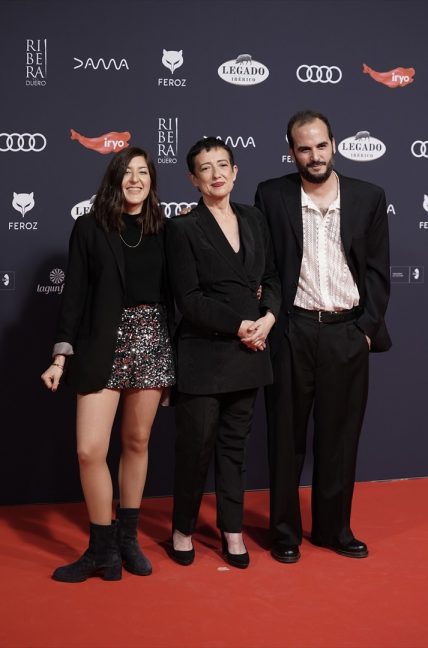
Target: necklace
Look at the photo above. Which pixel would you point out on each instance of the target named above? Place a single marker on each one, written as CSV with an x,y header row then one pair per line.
x,y
138,242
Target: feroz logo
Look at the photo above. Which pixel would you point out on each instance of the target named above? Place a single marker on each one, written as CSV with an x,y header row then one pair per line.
x,y
419,149
362,147
396,78
56,276
91,64
319,74
407,274
104,144
237,141
36,62
174,208
83,207
7,280
23,203
243,71
167,140
172,60
22,142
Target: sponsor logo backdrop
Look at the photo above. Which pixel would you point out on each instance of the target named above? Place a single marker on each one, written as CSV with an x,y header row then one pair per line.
x,y
90,79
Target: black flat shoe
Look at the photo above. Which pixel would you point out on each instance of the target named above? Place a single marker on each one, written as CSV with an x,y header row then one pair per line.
x,y
285,553
184,558
353,549
236,560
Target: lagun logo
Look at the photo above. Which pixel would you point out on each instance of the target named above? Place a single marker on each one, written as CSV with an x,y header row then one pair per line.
x,y
104,144
396,78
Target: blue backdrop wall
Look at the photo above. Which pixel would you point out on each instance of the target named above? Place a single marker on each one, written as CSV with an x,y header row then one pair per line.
x,y
81,80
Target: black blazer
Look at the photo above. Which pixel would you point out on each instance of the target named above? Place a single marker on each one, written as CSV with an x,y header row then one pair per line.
x,y
215,291
364,233
92,304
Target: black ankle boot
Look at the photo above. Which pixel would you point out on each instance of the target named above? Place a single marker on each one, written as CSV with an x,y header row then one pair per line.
x,y
102,558
236,560
133,558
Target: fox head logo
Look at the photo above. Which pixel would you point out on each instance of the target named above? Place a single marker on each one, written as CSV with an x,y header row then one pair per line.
x,y
172,60
23,202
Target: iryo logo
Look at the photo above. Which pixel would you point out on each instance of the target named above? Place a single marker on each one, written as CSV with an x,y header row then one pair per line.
x,y
109,143
396,78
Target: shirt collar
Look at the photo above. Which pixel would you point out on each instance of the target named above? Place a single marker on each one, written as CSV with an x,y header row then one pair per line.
x,y
308,203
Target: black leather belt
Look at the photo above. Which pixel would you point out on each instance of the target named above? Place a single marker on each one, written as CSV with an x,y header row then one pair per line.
x,y
328,317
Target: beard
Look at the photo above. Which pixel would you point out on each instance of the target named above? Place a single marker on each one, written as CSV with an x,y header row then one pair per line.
x,y
305,172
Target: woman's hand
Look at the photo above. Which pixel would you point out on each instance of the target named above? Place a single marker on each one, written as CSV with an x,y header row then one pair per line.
x,y
52,376
258,332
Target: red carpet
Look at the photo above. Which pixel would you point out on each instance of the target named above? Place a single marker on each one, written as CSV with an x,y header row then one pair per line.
x,y
324,601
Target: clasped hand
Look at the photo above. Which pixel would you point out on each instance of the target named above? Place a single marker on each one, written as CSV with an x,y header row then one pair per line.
x,y
254,334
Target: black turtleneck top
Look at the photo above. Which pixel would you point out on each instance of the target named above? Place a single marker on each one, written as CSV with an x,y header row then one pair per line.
x,y
144,265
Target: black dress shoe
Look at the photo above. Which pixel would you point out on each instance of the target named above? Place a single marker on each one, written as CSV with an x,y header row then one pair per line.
x,y
236,560
285,553
184,558
353,549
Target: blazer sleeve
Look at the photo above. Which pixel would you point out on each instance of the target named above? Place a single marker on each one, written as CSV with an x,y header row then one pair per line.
x,y
205,312
271,284
75,289
377,276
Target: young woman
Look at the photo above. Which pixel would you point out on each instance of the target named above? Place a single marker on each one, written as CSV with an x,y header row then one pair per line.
x,y
112,341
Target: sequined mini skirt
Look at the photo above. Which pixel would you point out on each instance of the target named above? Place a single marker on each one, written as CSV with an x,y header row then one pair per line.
x,y
143,357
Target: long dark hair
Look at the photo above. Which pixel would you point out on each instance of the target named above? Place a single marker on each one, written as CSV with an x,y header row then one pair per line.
x,y
109,205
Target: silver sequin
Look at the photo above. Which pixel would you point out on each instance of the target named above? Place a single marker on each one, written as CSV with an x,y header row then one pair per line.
x,y
143,357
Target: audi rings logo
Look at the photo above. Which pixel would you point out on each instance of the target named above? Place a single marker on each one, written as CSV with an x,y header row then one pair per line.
x,y
175,209
319,74
24,142
420,149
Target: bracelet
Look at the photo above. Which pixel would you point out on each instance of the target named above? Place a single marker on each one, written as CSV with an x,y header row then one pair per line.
x,y
55,364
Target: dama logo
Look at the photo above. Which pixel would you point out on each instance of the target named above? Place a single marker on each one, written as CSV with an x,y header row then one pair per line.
x,y
237,141
109,143
91,64
396,78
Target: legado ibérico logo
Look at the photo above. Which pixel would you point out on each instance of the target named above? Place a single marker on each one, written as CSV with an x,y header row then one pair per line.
x,y
243,71
83,207
104,144
361,147
396,78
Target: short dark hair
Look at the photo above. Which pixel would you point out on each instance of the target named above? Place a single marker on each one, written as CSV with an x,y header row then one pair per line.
x,y
206,144
108,205
306,117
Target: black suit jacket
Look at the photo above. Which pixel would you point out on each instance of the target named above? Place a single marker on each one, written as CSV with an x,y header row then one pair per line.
x,y
364,233
92,303
215,291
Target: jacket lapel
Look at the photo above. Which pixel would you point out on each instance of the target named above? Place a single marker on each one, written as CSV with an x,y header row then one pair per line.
x,y
114,241
291,196
213,232
348,207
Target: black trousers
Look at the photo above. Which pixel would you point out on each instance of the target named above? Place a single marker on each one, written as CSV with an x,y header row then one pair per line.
x,y
204,424
324,366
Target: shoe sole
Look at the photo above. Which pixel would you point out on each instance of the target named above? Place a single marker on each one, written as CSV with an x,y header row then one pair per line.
x,y
289,561
341,552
